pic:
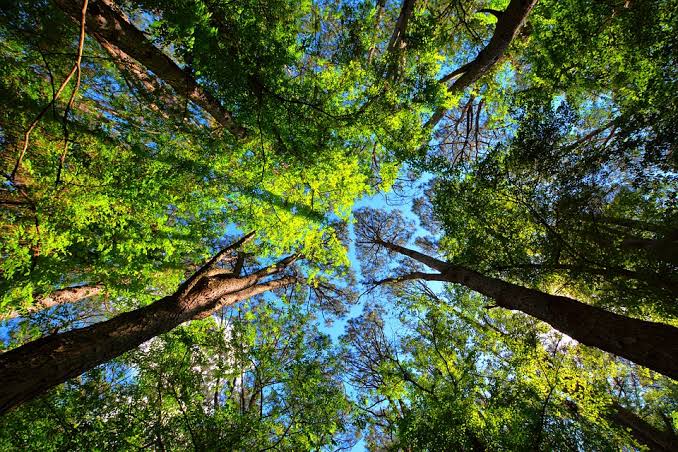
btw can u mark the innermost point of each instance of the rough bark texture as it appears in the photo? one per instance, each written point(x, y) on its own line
point(30, 370)
point(508, 25)
point(650, 344)
point(107, 24)
point(58, 297)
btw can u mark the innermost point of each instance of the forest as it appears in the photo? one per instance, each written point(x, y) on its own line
point(339, 225)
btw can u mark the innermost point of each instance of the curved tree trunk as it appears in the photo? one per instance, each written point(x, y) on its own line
point(33, 368)
point(508, 25)
point(650, 344)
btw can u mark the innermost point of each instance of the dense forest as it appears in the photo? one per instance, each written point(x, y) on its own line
point(442, 225)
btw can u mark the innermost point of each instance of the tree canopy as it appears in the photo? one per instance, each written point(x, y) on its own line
point(330, 225)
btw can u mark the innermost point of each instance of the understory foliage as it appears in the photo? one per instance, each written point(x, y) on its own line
point(455, 376)
point(261, 379)
point(531, 143)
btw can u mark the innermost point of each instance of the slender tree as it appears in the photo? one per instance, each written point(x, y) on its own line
point(650, 344)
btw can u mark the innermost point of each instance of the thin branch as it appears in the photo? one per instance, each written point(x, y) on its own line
point(412, 276)
point(76, 67)
point(69, 106)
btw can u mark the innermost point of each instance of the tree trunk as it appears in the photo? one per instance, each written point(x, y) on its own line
point(509, 24)
point(396, 42)
point(642, 431)
point(650, 344)
point(659, 249)
point(106, 23)
point(33, 368)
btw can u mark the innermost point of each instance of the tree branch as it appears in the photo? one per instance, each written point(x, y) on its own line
point(76, 67)
point(59, 297)
point(190, 283)
point(69, 106)
point(425, 259)
point(509, 24)
point(412, 276)
point(107, 23)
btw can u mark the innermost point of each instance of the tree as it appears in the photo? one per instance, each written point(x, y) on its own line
point(543, 207)
point(646, 343)
point(455, 376)
point(138, 138)
point(35, 367)
point(256, 375)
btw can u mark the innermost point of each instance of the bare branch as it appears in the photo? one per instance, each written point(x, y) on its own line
point(69, 106)
point(76, 67)
point(412, 276)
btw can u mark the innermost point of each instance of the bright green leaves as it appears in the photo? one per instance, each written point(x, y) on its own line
point(259, 377)
point(454, 375)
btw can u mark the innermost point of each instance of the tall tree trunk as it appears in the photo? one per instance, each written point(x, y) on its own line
point(107, 24)
point(397, 43)
point(650, 344)
point(33, 368)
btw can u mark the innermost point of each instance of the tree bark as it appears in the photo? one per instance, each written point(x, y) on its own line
point(642, 431)
point(650, 344)
point(62, 296)
point(396, 41)
point(508, 25)
point(108, 25)
point(665, 249)
point(33, 368)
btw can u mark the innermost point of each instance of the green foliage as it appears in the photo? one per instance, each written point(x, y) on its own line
point(454, 376)
point(556, 170)
point(543, 211)
point(262, 376)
